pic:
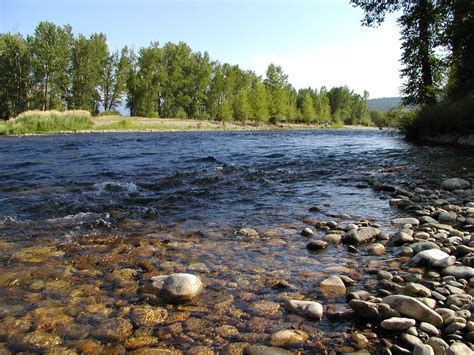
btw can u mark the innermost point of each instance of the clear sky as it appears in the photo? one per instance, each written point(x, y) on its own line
point(317, 42)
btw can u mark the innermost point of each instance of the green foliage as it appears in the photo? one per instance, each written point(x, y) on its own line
point(50, 49)
point(49, 121)
point(14, 72)
point(307, 108)
point(276, 83)
point(242, 108)
point(109, 113)
point(259, 101)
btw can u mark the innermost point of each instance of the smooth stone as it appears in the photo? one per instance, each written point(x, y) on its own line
point(384, 275)
point(307, 232)
point(397, 323)
point(333, 286)
point(447, 217)
point(400, 222)
point(459, 349)
point(360, 341)
point(410, 341)
point(458, 271)
point(417, 290)
point(443, 263)
point(455, 184)
point(288, 337)
point(359, 236)
point(429, 328)
point(334, 239)
point(376, 249)
point(317, 245)
point(403, 236)
point(413, 308)
point(116, 329)
point(310, 309)
point(420, 246)
point(440, 347)
point(429, 256)
point(180, 287)
point(423, 349)
point(257, 349)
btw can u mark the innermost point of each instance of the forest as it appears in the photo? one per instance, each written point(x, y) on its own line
point(54, 69)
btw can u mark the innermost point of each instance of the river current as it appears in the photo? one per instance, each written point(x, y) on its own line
point(177, 201)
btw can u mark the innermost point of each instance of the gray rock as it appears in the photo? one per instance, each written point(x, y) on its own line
point(423, 349)
point(362, 235)
point(447, 217)
point(403, 236)
point(310, 309)
point(317, 245)
point(410, 341)
point(440, 347)
point(178, 287)
point(334, 239)
point(455, 184)
point(429, 256)
point(248, 232)
point(360, 341)
point(376, 249)
point(427, 219)
point(364, 309)
point(417, 290)
point(307, 232)
point(400, 222)
point(411, 307)
point(459, 349)
point(420, 246)
point(257, 349)
point(443, 263)
point(397, 323)
point(458, 271)
point(333, 286)
point(429, 328)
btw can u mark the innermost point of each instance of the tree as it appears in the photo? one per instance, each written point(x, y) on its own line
point(89, 58)
point(114, 78)
point(421, 68)
point(307, 108)
point(276, 83)
point(50, 57)
point(242, 108)
point(322, 106)
point(258, 101)
point(14, 75)
point(340, 99)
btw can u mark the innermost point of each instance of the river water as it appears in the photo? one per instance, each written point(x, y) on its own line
point(78, 210)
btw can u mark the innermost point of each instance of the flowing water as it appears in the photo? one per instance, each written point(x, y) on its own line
point(87, 220)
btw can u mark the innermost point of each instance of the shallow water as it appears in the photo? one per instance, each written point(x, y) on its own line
point(116, 209)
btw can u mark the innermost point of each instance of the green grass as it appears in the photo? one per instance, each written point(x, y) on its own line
point(38, 122)
point(3, 128)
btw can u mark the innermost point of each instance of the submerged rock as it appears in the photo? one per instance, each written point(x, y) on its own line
point(288, 337)
point(455, 184)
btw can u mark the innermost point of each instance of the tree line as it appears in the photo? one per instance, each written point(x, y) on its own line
point(55, 69)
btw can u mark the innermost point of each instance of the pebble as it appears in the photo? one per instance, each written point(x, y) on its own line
point(413, 308)
point(400, 222)
point(178, 287)
point(397, 323)
point(423, 349)
point(307, 232)
point(333, 286)
point(360, 341)
point(376, 249)
point(459, 349)
point(288, 337)
point(310, 309)
point(317, 245)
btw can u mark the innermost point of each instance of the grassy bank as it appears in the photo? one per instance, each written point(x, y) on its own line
point(47, 122)
point(39, 122)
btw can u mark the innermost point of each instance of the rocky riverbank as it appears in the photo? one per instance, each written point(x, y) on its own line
point(404, 288)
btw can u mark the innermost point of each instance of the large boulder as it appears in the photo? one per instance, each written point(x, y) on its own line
point(458, 271)
point(361, 235)
point(455, 184)
point(429, 256)
point(412, 308)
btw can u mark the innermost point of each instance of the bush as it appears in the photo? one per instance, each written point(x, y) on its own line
point(446, 117)
point(49, 121)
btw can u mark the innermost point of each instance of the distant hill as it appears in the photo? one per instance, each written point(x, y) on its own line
point(384, 103)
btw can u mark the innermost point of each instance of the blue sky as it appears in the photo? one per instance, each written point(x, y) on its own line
point(317, 42)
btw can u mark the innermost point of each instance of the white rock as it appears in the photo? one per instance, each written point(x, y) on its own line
point(178, 287)
point(397, 323)
point(310, 309)
point(411, 307)
point(430, 256)
point(400, 222)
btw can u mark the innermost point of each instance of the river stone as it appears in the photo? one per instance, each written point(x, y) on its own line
point(333, 239)
point(423, 349)
point(317, 245)
point(429, 328)
point(360, 341)
point(420, 246)
point(307, 232)
point(417, 290)
point(410, 341)
point(447, 217)
point(411, 307)
point(333, 286)
point(444, 263)
point(400, 222)
point(310, 309)
point(376, 249)
point(361, 235)
point(455, 184)
point(180, 287)
point(116, 329)
point(264, 350)
point(288, 337)
point(440, 347)
point(459, 349)
point(39, 341)
point(365, 309)
point(458, 271)
point(248, 232)
point(147, 316)
point(429, 256)
point(397, 323)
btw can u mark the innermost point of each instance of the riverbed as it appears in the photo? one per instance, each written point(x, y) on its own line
point(87, 220)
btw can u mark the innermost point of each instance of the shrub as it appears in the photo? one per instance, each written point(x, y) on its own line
point(49, 121)
point(110, 113)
